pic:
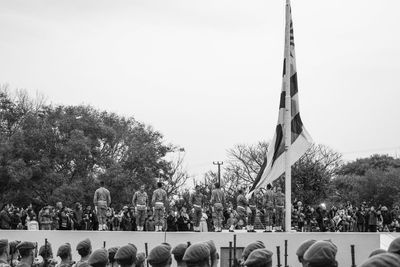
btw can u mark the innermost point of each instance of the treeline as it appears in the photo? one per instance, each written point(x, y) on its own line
point(58, 153)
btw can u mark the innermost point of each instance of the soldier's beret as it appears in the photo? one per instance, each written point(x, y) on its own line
point(382, 260)
point(376, 252)
point(99, 257)
point(64, 250)
point(259, 256)
point(13, 246)
point(250, 247)
point(140, 257)
point(86, 244)
point(179, 250)
point(197, 252)
point(394, 246)
point(159, 254)
point(321, 252)
point(3, 243)
point(304, 246)
point(127, 252)
point(26, 246)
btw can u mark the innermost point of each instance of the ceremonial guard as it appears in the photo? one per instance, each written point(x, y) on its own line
point(197, 202)
point(269, 205)
point(159, 201)
point(242, 204)
point(253, 212)
point(218, 202)
point(280, 209)
point(140, 202)
point(102, 201)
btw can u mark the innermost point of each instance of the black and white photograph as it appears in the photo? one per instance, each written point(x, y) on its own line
point(187, 133)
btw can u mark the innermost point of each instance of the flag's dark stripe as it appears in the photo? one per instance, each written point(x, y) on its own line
point(282, 102)
point(284, 67)
point(259, 174)
point(297, 127)
point(279, 144)
point(293, 85)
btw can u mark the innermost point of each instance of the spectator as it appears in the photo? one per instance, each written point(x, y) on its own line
point(5, 219)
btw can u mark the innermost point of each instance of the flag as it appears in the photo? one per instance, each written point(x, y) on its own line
point(274, 164)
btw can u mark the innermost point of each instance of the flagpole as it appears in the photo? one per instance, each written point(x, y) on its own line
point(288, 121)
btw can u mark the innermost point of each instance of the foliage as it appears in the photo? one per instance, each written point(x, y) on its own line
point(58, 153)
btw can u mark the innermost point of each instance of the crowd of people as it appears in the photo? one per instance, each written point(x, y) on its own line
point(310, 253)
point(262, 211)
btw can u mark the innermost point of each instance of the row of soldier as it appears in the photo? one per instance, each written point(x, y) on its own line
point(272, 204)
point(310, 253)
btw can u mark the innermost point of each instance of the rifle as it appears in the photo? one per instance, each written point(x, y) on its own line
point(46, 254)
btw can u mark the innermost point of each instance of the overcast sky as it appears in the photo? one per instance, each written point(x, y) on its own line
point(207, 74)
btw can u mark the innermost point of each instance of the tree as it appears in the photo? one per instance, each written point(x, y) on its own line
point(311, 174)
point(58, 153)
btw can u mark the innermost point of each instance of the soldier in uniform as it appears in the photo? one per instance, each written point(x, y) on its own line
point(25, 250)
point(196, 201)
point(140, 202)
point(279, 209)
point(160, 256)
point(269, 205)
point(253, 213)
point(102, 201)
point(159, 201)
point(241, 208)
point(218, 202)
point(84, 249)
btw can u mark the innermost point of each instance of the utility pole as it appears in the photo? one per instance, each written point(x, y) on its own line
point(219, 163)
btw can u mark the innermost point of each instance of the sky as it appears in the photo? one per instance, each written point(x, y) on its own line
point(207, 74)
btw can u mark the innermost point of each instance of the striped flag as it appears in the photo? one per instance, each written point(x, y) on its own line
point(274, 165)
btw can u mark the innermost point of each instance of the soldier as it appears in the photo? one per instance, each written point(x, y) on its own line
point(253, 213)
point(269, 205)
point(111, 256)
point(26, 252)
point(64, 252)
point(160, 256)
point(197, 202)
point(178, 253)
point(242, 204)
point(4, 252)
point(126, 256)
point(197, 255)
point(279, 209)
point(321, 253)
point(159, 201)
point(218, 202)
point(302, 250)
point(102, 201)
point(84, 249)
point(140, 202)
point(98, 258)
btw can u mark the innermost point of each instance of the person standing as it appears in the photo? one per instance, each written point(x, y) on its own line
point(102, 201)
point(253, 212)
point(241, 208)
point(159, 201)
point(218, 202)
point(372, 220)
point(279, 209)
point(140, 202)
point(269, 205)
point(196, 202)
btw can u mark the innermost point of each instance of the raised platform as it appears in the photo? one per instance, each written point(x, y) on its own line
point(364, 242)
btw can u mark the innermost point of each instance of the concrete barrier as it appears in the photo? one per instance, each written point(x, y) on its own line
point(364, 242)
